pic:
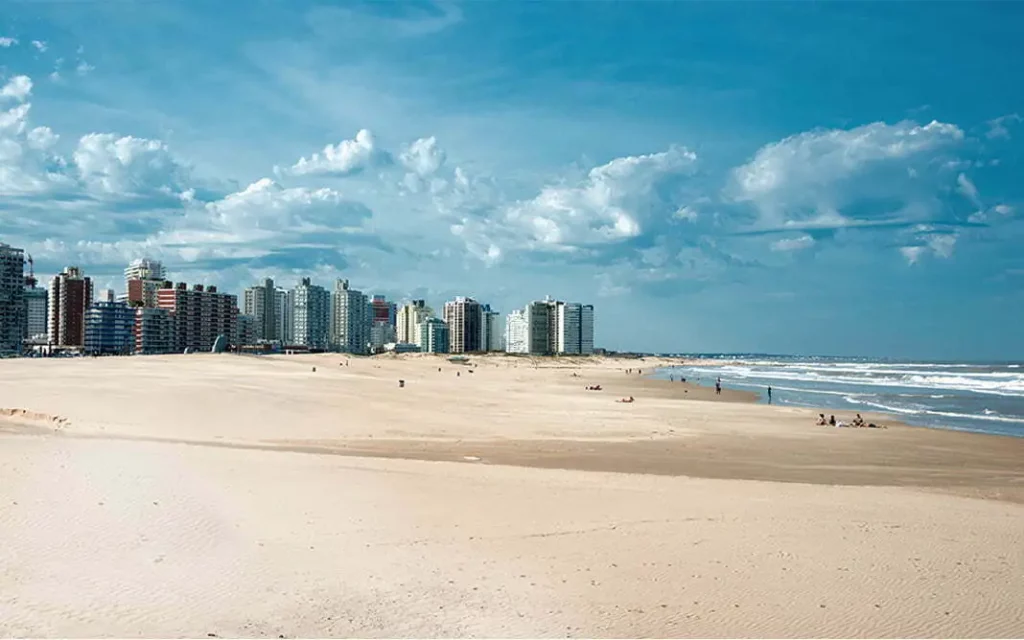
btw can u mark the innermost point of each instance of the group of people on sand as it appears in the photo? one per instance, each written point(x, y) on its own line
point(594, 387)
point(639, 372)
point(856, 422)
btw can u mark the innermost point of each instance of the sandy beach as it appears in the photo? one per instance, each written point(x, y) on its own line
point(256, 497)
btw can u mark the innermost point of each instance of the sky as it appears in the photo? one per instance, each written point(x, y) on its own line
point(804, 178)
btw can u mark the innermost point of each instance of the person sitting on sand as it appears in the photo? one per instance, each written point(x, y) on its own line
point(858, 421)
point(832, 421)
point(821, 420)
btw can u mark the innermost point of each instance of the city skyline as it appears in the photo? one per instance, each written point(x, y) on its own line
point(825, 190)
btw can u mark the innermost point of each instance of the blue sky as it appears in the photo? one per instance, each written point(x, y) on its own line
point(839, 178)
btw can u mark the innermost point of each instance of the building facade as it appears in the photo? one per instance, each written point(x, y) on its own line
point(262, 304)
point(549, 327)
point(434, 336)
point(12, 300)
point(464, 319)
point(37, 305)
point(491, 333)
point(70, 297)
point(200, 315)
point(285, 316)
point(154, 331)
point(109, 328)
point(407, 324)
point(246, 334)
point(143, 278)
point(517, 329)
point(350, 321)
point(311, 313)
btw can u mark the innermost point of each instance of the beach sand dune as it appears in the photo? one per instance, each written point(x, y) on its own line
point(187, 496)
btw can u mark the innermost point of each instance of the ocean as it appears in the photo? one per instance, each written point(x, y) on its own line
point(965, 396)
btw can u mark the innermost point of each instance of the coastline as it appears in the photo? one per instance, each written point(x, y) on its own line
point(166, 495)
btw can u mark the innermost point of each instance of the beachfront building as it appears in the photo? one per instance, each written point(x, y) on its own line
point(490, 329)
point(464, 318)
point(200, 315)
point(548, 327)
point(263, 303)
point(70, 298)
point(154, 331)
point(434, 336)
point(516, 332)
point(574, 328)
point(311, 313)
point(12, 300)
point(350, 319)
point(285, 315)
point(37, 304)
point(143, 278)
point(382, 323)
point(246, 330)
point(407, 330)
point(109, 328)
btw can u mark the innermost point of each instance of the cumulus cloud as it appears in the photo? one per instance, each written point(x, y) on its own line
point(793, 244)
point(615, 201)
point(345, 158)
point(6, 41)
point(84, 68)
point(266, 205)
point(40, 45)
point(813, 171)
point(112, 164)
point(423, 157)
point(18, 87)
point(998, 128)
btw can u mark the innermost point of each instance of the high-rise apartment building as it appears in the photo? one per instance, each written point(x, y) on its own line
point(12, 299)
point(490, 329)
point(350, 320)
point(200, 315)
point(285, 316)
point(109, 328)
point(517, 331)
point(547, 327)
point(154, 331)
point(407, 329)
point(311, 315)
point(382, 323)
point(143, 278)
point(37, 303)
point(464, 319)
point(434, 336)
point(70, 298)
point(262, 303)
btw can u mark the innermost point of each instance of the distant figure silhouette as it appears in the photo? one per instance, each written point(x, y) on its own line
point(769, 394)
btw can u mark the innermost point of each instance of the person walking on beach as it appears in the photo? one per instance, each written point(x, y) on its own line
point(769, 394)
point(718, 387)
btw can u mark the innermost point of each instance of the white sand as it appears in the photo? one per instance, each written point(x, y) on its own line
point(104, 536)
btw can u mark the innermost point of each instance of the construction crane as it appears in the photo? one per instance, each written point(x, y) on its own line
point(30, 279)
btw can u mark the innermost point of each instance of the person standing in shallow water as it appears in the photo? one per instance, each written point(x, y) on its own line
point(769, 394)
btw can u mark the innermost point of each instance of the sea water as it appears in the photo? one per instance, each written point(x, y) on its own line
point(983, 397)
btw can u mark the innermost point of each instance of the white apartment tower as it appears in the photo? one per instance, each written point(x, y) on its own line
point(548, 327)
point(408, 321)
point(142, 279)
point(517, 328)
point(350, 319)
point(490, 329)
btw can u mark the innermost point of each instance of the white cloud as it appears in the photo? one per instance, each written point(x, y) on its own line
point(1003, 209)
point(997, 127)
point(942, 245)
point(345, 158)
point(40, 45)
point(810, 170)
point(7, 42)
point(968, 190)
point(18, 87)
point(793, 244)
point(84, 68)
point(127, 165)
point(423, 157)
point(615, 201)
point(265, 205)
point(912, 254)
point(41, 138)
